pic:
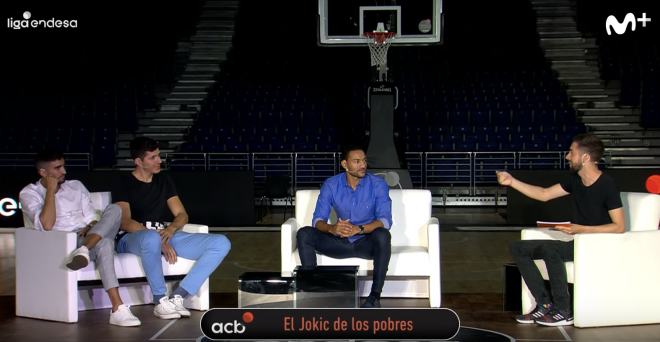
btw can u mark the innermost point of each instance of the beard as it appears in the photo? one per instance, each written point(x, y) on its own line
point(357, 174)
point(575, 168)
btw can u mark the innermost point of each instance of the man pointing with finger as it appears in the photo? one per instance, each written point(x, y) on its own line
point(364, 211)
point(597, 208)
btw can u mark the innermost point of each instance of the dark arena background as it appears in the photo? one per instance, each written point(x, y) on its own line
point(252, 101)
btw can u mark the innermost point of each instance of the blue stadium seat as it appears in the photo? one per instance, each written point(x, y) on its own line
point(536, 146)
point(236, 148)
point(575, 129)
point(104, 154)
point(488, 146)
point(559, 146)
point(476, 137)
point(565, 116)
point(507, 129)
point(511, 146)
point(522, 117)
point(465, 146)
point(529, 129)
point(259, 147)
point(484, 129)
point(207, 117)
point(452, 138)
point(544, 137)
point(205, 137)
point(328, 147)
point(441, 147)
point(212, 147)
point(521, 137)
point(190, 147)
point(500, 117)
point(480, 117)
point(302, 147)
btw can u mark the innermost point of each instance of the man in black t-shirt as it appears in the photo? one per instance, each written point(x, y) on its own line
point(145, 197)
point(597, 208)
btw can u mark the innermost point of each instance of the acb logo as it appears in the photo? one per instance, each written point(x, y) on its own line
point(219, 328)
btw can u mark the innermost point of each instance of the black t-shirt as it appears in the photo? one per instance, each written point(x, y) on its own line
point(148, 201)
point(591, 204)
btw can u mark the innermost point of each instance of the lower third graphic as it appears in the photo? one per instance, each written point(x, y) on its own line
point(327, 324)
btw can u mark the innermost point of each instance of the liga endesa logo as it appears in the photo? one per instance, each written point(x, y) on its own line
point(18, 24)
point(8, 206)
point(329, 324)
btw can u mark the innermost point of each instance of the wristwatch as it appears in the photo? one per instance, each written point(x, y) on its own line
point(361, 229)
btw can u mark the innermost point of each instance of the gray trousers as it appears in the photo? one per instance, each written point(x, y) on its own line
point(103, 253)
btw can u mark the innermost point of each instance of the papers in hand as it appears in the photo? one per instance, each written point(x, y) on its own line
point(544, 224)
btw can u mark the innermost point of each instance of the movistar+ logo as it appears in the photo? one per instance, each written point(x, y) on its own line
point(620, 28)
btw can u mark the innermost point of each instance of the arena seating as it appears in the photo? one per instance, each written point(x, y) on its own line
point(481, 101)
point(79, 118)
point(500, 100)
point(634, 61)
point(75, 94)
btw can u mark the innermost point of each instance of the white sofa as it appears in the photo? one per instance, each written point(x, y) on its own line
point(615, 277)
point(414, 269)
point(46, 289)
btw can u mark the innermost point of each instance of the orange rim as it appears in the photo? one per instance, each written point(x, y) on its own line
point(379, 37)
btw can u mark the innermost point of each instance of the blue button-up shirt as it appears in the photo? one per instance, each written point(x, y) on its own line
point(370, 201)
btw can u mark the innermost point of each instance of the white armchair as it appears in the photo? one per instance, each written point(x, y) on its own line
point(46, 289)
point(414, 269)
point(615, 277)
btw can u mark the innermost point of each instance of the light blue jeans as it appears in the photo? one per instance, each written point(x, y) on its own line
point(208, 249)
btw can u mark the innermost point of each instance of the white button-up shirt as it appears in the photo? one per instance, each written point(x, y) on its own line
point(73, 205)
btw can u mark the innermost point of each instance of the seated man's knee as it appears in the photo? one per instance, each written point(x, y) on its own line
point(382, 235)
point(221, 242)
point(305, 234)
point(113, 210)
point(549, 250)
point(150, 240)
point(514, 247)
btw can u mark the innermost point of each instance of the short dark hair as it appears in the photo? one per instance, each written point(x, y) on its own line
point(591, 145)
point(47, 156)
point(348, 149)
point(141, 145)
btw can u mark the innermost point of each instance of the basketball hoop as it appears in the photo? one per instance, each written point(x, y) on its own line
point(379, 43)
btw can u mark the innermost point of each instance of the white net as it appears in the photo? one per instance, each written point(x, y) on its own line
point(379, 43)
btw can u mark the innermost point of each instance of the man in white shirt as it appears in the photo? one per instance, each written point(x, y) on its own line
point(53, 203)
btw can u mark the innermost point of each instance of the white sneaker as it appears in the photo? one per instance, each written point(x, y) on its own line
point(79, 259)
point(177, 301)
point(124, 317)
point(166, 310)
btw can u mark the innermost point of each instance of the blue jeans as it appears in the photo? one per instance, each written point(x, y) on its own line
point(376, 246)
point(208, 249)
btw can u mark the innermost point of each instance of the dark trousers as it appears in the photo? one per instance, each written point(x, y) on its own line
point(374, 246)
point(554, 254)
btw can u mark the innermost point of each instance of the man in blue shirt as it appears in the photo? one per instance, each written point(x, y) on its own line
point(364, 211)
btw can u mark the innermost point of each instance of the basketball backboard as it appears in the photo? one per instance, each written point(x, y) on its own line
point(416, 22)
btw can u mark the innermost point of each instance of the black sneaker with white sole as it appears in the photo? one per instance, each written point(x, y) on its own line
point(535, 314)
point(556, 318)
